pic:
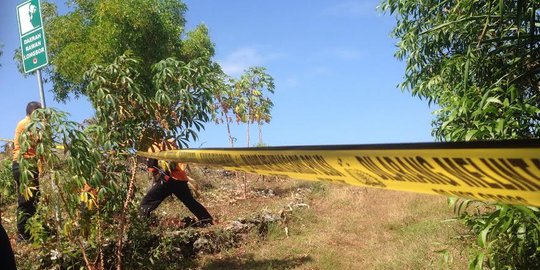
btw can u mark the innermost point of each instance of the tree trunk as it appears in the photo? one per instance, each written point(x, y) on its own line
point(231, 139)
point(100, 241)
point(77, 239)
point(122, 225)
point(248, 133)
point(260, 134)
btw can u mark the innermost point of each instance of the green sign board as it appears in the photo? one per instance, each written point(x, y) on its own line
point(33, 46)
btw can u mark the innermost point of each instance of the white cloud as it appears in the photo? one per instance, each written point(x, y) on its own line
point(352, 8)
point(242, 58)
point(236, 62)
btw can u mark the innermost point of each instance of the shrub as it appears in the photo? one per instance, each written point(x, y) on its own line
point(7, 184)
point(507, 237)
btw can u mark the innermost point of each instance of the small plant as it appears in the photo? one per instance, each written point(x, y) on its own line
point(7, 184)
point(507, 237)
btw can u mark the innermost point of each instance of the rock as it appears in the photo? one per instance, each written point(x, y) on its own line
point(201, 244)
point(237, 226)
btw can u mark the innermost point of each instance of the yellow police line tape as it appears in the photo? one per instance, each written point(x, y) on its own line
point(503, 171)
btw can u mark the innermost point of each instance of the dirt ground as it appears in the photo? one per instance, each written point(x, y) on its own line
point(341, 227)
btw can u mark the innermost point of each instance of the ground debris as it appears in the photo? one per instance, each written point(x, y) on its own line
point(193, 241)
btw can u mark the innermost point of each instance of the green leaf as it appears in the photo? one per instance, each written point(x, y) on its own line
point(500, 125)
point(492, 100)
point(470, 134)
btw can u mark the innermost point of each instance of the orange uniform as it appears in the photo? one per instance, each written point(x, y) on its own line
point(164, 186)
point(31, 152)
point(178, 172)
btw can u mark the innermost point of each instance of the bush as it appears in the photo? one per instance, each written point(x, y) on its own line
point(508, 237)
point(7, 184)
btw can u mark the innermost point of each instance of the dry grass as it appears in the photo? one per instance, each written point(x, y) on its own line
point(355, 228)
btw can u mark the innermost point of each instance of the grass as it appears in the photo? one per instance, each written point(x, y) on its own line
point(357, 228)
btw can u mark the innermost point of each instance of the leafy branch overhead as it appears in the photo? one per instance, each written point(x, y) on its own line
point(478, 60)
point(98, 31)
point(178, 108)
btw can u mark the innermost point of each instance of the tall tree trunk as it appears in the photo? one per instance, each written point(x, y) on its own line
point(123, 218)
point(231, 139)
point(77, 239)
point(248, 133)
point(260, 134)
point(100, 241)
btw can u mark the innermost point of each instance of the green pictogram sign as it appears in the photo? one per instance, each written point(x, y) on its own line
point(33, 46)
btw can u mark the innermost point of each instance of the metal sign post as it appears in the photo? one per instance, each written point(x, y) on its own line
point(40, 84)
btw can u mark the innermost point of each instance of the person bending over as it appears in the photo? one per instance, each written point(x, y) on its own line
point(171, 178)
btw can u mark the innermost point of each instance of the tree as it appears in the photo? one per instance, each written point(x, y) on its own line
point(145, 82)
point(97, 167)
point(246, 98)
point(253, 104)
point(479, 61)
point(223, 104)
point(81, 223)
point(98, 31)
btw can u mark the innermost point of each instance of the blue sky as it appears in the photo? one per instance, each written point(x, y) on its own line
point(332, 61)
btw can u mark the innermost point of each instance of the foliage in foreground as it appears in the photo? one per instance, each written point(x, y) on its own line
point(479, 62)
point(7, 185)
point(508, 237)
point(83, 219)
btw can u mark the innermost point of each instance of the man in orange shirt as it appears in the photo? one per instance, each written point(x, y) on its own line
point(171, 178)
point(26, 207)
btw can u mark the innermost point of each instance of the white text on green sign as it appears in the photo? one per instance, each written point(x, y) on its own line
point(33, 44)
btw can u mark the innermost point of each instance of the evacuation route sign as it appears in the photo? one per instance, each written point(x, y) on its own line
point(33, 49)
